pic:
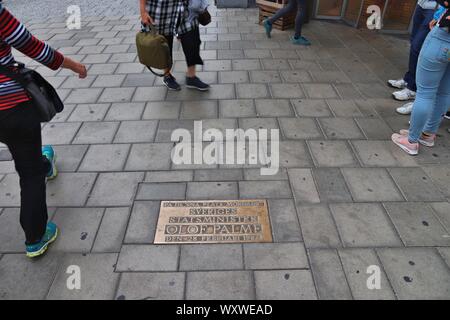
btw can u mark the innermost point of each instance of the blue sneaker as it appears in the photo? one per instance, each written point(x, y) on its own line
point(301, 41)
point(49, 153)
point(268, 26)
point(51, 233)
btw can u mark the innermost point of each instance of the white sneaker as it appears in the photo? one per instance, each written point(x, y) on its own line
point(406, 108)
point(400, 84)
point(404, 95)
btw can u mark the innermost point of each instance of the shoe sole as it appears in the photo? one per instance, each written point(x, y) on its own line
point(397, 87)
point(55, 170)
point(172, 89)
point(44, 248)
point(197, 88)
point(407, 99)
point(412, 153)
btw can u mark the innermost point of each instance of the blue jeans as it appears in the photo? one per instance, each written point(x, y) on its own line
point(421, 20)
point(300, 6)
point(433, 84)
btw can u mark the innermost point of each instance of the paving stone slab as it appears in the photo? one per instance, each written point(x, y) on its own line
point(125, 111)
point(294, 154)
point(301, 129)
point(142, 224)
point(220, 190)
point(237, 108)
point(59, 133)
point(416, 273)
point(115, 189)
point(340, 128)
point(382, 154)
point(440, 176)
point(329, 276)
point(416, 185)
point(264, 189)
point(374, 128)
point(287, 91)
point(10, 191)
point(199, 110)
point(332, 154)
point(320, 91)
point(112, 230)
point(311, 108)
point(151, 286)
point(70, 189)
point(108, 157)
point(146, 94)
point(79, 228)
point(273, 108)
point(90, 95)
point(154, 156)
point(12, 237)
point(344, 108)
point(303, 186)
point(258, 76)
point(364, 225)
point(445, 254)
point(98, 280)
point(442, 211)
point(284, 221)
point(19, 274)
point(252, 91)
point(356, 263)
point(89, 112)
point(136, 131)
point(223, 285)
point(259, 256)
point(162, 110)
point(162, 191)
point(233, 77)
point(331, 185)
point(371, 185)
point(255, 174)
point(211, 257)
point(148, 258)
point(218, 175)
point(296, 76)
point(417, 225)
point(171, 176)
point(96, 132)
point(318, 227)
point(285, 285)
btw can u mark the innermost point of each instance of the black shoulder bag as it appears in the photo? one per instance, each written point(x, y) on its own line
point(44, 97)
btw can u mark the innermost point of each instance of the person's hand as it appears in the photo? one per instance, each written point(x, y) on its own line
point(432, 23)
point(146, 19)
point(76, 67)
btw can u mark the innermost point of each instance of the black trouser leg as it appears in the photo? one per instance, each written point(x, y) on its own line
point(21, 132)
point(191, 42)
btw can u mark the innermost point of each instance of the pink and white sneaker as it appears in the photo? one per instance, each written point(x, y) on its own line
point(403, 142)
point(427, 141)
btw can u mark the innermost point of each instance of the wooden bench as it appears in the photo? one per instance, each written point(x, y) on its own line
point(267, 8)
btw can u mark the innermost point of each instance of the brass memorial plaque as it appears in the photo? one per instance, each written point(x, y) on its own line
point(217, 221)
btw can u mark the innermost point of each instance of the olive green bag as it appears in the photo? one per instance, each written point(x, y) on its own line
point(153, 50)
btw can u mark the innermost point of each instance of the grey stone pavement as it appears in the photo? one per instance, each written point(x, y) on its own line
point(344, 199)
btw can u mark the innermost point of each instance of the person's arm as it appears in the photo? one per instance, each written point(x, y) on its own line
point(14, 33)
point(145, 17)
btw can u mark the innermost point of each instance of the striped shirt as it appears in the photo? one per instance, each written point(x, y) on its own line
point(14, 34)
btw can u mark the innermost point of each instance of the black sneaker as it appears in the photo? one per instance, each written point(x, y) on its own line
point(171, 83)
point(447, 115)
point(196, 83)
